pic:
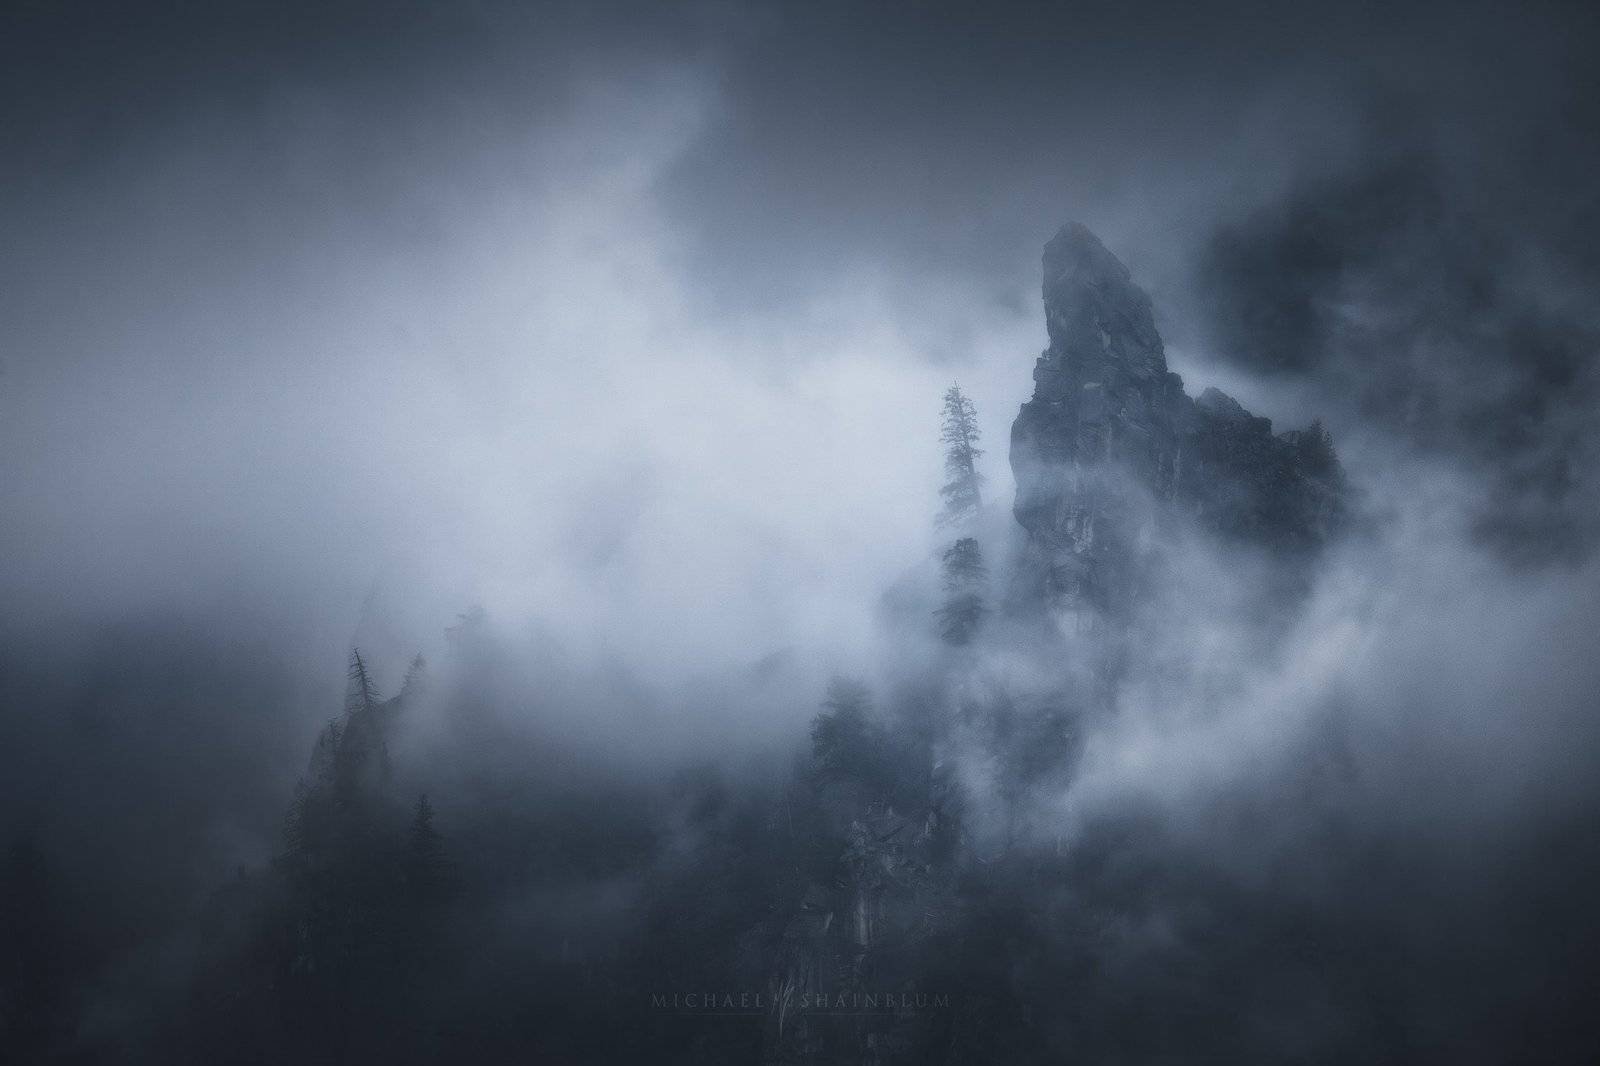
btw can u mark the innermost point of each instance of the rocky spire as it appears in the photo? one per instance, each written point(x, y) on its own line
point(1110, 449)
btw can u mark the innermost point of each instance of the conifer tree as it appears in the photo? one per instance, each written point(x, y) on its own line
point(363, 694)
point(361, 762)
point(426, 868)
point(962, 489)
point(842, 736)
point(963, 608)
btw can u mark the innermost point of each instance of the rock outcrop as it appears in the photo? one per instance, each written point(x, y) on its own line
point(1110, 451)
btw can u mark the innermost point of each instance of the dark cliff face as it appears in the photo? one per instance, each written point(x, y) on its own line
point(1110, 450)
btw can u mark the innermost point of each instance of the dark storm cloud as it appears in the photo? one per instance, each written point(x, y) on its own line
point(83, 77)
point(948, 136)
point(942, 138)
point(1441, 288)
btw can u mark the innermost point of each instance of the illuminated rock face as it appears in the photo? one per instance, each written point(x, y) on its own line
point(1110, 450)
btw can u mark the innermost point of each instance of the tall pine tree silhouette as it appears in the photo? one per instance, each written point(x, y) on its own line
point(962, 490)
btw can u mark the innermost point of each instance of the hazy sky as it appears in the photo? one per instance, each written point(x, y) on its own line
point(322, 322)
point(633, 319)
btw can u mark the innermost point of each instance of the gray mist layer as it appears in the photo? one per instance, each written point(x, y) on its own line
point(324, 324)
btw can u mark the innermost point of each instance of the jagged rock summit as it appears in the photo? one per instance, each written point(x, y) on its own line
point(1111, 450)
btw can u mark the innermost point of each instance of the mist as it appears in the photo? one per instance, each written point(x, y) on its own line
point(595, 354)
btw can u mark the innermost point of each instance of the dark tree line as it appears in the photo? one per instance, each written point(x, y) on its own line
point(324, 956)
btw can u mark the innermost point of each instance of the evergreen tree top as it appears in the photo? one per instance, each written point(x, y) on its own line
point(362, 694)
point(959, 431)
